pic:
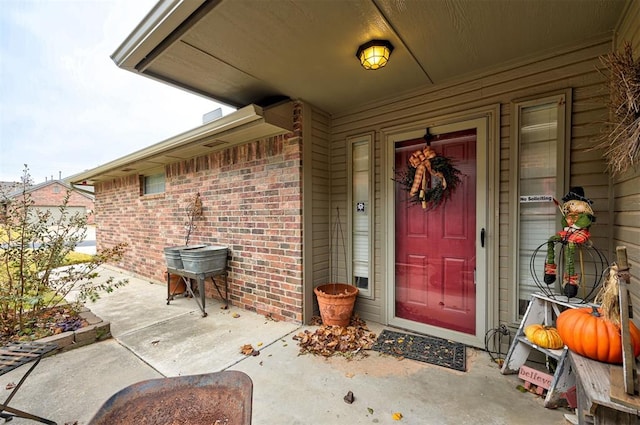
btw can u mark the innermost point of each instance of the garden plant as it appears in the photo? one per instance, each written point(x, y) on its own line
point(39, 268)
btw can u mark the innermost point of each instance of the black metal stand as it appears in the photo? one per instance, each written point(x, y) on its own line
point(200, 278)
point(13, 356)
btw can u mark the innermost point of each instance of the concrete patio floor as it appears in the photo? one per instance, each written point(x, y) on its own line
point(154, 340)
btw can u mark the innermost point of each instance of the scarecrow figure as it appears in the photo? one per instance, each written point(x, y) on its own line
point(577, 217)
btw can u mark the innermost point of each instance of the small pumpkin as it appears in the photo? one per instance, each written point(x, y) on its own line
point(543, 336)
point(587, 332)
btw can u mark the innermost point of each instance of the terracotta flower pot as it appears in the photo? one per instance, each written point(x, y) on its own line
point(176, 284)
point(336, 301)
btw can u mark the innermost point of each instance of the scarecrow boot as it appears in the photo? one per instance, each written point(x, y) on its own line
point(570, 283)
point(550, 273)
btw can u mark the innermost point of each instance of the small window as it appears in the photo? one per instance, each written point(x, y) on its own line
point(56, 189)
point(153, 184)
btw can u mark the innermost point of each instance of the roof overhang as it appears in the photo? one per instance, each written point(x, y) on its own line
point(242, 126)
point(162, 21)
point(251, 52)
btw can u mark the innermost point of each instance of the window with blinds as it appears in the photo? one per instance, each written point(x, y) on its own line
point(152, 184)
point(538, 171)
point(361, 213)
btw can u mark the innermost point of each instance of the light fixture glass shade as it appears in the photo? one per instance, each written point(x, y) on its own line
point(374, 54)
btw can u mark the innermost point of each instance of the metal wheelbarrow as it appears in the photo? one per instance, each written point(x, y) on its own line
point(221, 398)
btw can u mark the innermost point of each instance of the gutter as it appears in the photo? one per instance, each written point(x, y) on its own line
point(165, 17)
point(242, 126)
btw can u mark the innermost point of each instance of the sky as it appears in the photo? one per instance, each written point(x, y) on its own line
point(65, 107)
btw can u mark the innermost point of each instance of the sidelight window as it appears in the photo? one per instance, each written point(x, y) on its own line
point(539, 170)
point(361, 213)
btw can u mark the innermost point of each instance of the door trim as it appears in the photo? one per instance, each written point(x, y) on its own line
point(486, 121)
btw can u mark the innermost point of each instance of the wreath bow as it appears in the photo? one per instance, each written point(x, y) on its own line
point(421, 161)
point(416, 178)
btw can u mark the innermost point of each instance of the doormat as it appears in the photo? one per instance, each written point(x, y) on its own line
point(428, 349)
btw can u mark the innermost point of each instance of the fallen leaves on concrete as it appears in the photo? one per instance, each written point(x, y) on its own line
point(337, 340)
point(248, 350)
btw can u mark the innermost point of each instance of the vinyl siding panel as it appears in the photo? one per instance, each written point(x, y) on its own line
point(317, 193)
point(574, 68)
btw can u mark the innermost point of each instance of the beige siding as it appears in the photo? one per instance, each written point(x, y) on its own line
point(574, 68)
point(626, 204)
point(316, 129)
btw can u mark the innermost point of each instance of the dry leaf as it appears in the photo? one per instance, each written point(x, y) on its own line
point(247, 350)
point(350, 375)
point(10, 386)
point(329, 340)
point(397, 416)
point(235, 315)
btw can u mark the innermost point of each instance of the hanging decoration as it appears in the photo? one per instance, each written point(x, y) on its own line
point(621, 138)
point(429, 178)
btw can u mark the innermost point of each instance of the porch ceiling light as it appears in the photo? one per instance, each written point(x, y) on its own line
point(374, 54)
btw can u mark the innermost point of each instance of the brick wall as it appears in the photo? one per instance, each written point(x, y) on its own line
point(252, 203)
point(53, 194)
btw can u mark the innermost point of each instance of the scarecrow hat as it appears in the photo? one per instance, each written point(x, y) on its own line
point(576, 193)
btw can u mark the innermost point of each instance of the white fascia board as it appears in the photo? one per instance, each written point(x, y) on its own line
point(159, 23)
point(227, 124)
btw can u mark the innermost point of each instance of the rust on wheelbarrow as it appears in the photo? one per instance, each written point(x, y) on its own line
point(221, 398)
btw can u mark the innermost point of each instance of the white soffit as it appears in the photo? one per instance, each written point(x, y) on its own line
point(241, 52)
point(242, 126)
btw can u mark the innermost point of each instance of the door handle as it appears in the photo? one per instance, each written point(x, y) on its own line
point(482, 237)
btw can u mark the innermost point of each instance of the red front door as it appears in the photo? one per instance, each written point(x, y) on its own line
point(435, 249)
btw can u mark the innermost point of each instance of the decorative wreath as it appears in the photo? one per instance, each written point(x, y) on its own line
point(429, 178)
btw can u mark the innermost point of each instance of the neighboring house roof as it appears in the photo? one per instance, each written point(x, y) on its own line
point(33, 188)
point(240, 53)
point(244, 125)
point(6, 187)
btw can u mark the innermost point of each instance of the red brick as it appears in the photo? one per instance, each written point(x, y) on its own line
point(252, 204)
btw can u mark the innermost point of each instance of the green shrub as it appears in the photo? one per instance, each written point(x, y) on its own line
point(38, 267)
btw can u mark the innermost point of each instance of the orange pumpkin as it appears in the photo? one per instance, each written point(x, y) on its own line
point(586, 332)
